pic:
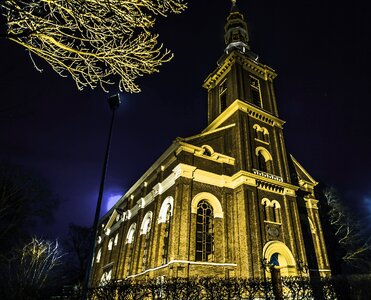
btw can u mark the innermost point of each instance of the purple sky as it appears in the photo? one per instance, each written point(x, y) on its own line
point(320, 50)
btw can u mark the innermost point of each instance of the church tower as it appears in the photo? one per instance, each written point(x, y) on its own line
point(228, 202)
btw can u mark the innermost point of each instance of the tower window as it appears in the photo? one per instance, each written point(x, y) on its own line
point(265, 203)
point(276, 211)
point(204, 232)
point(255, 91)
point(264, 160)
point(223, 95)
point(261, 162)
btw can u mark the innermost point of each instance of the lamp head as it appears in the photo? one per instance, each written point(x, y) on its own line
point(114, 101)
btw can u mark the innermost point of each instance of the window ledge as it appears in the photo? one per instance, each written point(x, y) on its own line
point(271, 222)
point(261, 141)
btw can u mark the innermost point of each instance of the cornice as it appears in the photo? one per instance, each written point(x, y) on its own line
point(311, 203)
point(199, 151)
point(202, 176)
point(233, 57)
point(312, 183)
point(207, 133)
point(234, 181)
point(262, 182)
point(248, 108)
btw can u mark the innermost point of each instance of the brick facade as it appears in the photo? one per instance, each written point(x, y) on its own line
point(262, 199)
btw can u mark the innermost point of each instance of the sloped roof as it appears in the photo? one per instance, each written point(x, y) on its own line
point(302, 173)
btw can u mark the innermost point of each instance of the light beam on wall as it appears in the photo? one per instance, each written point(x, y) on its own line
point(112, 199)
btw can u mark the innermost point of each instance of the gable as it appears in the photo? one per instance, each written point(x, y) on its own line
point(112, 220)
point(301, 173)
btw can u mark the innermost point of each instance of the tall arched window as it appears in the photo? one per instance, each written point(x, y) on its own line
point(223, 95)
point(116, 239)
point(99, 254)
point(264, 159)
point(276, 211)
point(166, 235)
point(110, 244)
point(130, 246)
point(261, 162)
point(204, 232)
point(266, 204)
point(145, 229)
point(265, 135)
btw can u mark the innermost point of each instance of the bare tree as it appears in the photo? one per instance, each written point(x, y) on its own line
point(77, 244)
point(348, 232)
point(92, 41)
point(30, 270)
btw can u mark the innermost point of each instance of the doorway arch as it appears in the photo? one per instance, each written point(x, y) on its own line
point(280, 256)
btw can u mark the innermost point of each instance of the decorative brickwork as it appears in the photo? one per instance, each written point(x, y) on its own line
point(223, 203)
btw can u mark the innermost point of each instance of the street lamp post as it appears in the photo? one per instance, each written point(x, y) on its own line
point(114, 103)
point(266, 266)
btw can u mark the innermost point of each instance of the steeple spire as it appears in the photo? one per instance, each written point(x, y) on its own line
point(236, 34)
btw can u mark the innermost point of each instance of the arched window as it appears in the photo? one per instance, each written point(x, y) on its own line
point(276, 211)
point(107, 276)
point(261, 162)
point(223, 95)
point(255, 91)
point(266, 203)
point(166, 235)
point(130, 246)
point(146, 249)
point(264, 159)
point(116, 239)
point(169, 201)
point(274, 260)
point(130, 235)
point(257, 131)
point(265, 134)
point(110, 244)
point(99, 255)
point(208, 150)
point(211, 199)
point(146, 224)
point(145, 229)
point(204, 232)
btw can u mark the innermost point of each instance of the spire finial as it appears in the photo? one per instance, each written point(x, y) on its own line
point(236, 33)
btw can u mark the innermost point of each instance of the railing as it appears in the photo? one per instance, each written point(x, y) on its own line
point(267, 175)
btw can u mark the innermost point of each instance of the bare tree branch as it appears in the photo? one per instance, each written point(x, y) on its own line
point(92, 41)
point(348, 232)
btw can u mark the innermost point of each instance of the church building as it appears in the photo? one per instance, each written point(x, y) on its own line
point(228, 202)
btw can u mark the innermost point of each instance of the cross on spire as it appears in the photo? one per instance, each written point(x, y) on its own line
point(234, 2)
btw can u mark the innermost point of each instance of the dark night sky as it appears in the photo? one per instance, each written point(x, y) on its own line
point(320, 50)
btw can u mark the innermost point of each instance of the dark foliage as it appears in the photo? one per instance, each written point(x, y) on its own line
point(25, 201)
point(337, 287)
point(77, 247)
